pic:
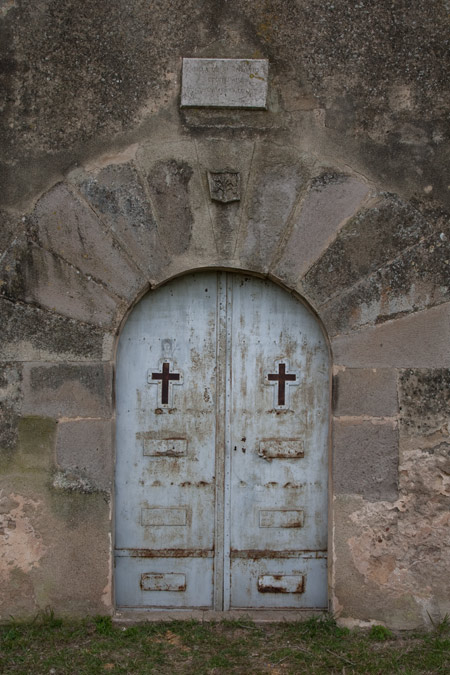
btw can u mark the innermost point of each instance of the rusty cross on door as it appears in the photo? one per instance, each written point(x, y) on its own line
point(281, 377)
point(165, 376)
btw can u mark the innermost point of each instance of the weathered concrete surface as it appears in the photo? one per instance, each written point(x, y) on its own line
point(37, 555)
point(424, 397)
point(67, 390)
point(374, 570)
point(365, 391)
point(375, 102)
point(10, 403)
point(39, 507)
point(399, 551)
point(83, 451)
point(418, 340)
point(365, 459)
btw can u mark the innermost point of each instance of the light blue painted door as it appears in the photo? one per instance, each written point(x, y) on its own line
point(221, 467)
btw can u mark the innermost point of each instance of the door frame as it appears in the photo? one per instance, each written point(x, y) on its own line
point(214, 615)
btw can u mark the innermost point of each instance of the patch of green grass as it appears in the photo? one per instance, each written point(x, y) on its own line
point(99, 645)
point(104, 625)
point(218, 661)
point(441, 627)
point(380, 633)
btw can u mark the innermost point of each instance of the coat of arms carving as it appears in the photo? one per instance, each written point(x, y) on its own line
point(224, 186)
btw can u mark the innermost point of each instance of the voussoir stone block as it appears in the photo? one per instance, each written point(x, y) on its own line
point(69, 228)
point(84, 450)
point(416, 279)
point(277, 178)
point(67, 390)
point(331, 199)
point(178, 199)
point(220, 157)
point(53, 283)
point(365, 460)
point(368, 241)
point(365, 391)
point(118, 196)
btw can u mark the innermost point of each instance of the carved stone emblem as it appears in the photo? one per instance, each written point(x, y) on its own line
point(224, 186)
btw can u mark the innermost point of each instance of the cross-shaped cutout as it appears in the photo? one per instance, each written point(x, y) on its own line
point(165, 377)
point(281, 379)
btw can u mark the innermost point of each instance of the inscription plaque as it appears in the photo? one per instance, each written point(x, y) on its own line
point(225, 83)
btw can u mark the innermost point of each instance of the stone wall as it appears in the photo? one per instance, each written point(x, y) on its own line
point(344, 202)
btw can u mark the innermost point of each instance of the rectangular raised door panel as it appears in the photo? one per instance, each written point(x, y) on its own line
point(162, 517)
point(284, 449)
point(299, 581)
point(163, 581)
point(281, 583)
point(281, 518)
point(162, 447)
point(222, 428)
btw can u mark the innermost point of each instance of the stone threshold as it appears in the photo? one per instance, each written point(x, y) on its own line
point(205, 616)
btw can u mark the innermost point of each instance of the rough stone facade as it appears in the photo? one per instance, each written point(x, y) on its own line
point(344, 201)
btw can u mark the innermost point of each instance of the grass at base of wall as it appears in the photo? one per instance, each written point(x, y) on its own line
point(97, 645)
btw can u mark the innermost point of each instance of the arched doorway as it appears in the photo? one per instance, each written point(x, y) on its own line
point(222, 393)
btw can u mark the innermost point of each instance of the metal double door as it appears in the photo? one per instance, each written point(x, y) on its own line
point(222, 392)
